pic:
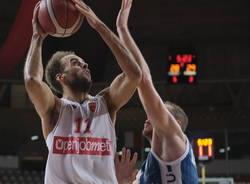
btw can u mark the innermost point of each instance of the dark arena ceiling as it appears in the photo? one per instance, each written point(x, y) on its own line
point(218, 30)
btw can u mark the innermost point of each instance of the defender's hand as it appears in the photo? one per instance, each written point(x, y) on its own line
point(122, 18)
point(92, 19)
point(37, 29)
point(125, 172)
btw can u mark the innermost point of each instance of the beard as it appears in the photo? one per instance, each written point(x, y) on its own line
point(79, 84)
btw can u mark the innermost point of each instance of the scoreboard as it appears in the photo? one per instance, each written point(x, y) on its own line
point(204, 149)
point(181, 66)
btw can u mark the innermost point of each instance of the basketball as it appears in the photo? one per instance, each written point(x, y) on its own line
point(59, 18)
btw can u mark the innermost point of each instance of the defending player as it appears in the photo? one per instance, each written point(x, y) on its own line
point(171, 157)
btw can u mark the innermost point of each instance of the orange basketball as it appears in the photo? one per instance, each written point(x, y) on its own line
point(59, 18)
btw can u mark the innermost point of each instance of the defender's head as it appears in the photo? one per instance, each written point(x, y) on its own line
point(66, 69)
point(177, 113)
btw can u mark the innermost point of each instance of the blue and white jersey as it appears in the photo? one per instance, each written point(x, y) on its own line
point(180, 171)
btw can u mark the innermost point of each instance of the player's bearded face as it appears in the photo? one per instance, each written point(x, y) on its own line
point(148, 130)
point(78, 82)
point(77, 74)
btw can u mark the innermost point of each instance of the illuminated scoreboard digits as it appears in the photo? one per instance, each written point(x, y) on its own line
point(182, 66)
point(205, 148)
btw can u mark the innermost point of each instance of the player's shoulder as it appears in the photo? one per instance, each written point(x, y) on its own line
point(104, 92)
point(58, 104)
point(104, 95)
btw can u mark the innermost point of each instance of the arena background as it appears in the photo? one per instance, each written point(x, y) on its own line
point(218, 103)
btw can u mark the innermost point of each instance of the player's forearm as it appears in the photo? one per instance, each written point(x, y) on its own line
point(33, 66)
point(149, 97)
point(129, 42)
point(121, 53)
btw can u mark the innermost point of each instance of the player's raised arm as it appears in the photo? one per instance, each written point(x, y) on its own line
point(124, 85)
point(39, 93)
point(152, 102)
point(163, 129)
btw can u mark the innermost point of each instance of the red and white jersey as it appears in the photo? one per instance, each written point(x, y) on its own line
point(82, 144)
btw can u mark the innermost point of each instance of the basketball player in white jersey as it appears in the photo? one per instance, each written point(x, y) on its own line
point(171, 158)
point(78, 128)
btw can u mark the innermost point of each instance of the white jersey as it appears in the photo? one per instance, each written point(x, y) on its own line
point(82, 145)
point(180, 171)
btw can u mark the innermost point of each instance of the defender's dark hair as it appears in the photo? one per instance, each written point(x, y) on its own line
point(179, 114)
point(54, 67)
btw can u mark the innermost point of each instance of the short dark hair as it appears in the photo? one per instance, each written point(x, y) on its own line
point(54, 67)
point(178, 114)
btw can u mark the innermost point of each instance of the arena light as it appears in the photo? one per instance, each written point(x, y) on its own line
point(34, 137)
point(147, 149)
point(222, 150)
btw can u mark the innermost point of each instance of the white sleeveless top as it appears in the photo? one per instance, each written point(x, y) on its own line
point(180, 171)
point(82, 145)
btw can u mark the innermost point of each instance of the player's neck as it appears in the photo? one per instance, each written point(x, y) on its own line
point(149, 140)
point(79, 97)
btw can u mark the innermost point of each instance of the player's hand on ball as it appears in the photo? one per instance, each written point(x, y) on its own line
point(122, 18)
point(92, 19)
point(125, 172)
point(37, 30)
